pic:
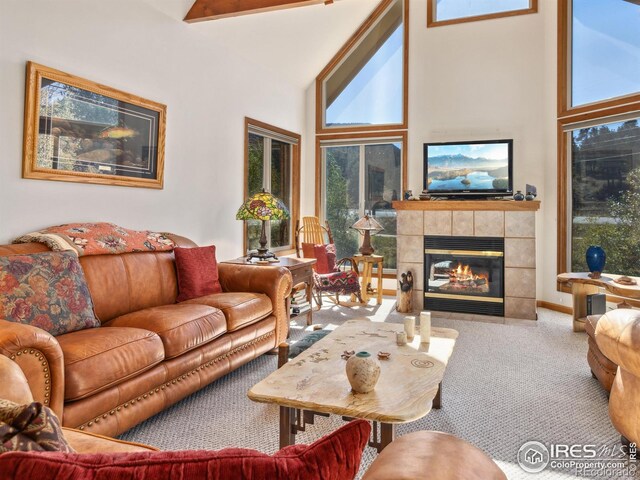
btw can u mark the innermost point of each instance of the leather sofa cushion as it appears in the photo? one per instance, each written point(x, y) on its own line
point(240, 308)
point(96, 359)
point(181, 327)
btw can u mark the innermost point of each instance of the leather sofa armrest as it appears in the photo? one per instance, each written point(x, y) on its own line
point(39, 356)
point(275, 282)
point(618, 338)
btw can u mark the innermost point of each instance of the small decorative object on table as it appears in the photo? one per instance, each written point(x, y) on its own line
point(410, 327)
point(596, 258)
point(363, 372)
point(347, 354)
point(425, 327)
point(518, 196)
point(384, 355)
point(624, 280)
point(401, 338)
point(405, 303)
point(408, 195)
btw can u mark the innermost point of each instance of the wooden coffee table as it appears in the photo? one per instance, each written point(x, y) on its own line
point(315, 381)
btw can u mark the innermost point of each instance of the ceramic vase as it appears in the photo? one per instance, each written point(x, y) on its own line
point(363, 372)
point(596, 259)
point(518, 196)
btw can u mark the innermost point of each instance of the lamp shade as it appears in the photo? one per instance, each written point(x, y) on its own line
point(367, 223)
point(263, 206)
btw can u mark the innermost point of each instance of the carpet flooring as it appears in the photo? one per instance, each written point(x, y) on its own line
point(505, 384)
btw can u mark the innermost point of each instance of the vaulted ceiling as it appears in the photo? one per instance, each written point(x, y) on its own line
point(295, 43)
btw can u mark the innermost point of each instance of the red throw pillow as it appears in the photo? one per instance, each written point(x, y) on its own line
point(326, 257)
point(197, 271)
point(307, 250)
point(333, 457)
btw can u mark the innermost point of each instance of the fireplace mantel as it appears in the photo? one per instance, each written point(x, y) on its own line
point(512, 220)
point(458, 205)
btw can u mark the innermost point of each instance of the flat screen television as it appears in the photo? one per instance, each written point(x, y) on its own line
point(469, 169)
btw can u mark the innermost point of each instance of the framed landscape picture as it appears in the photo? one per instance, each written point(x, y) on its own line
point(76, 130)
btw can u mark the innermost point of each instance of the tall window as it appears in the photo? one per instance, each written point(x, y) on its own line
point(361, 131)
point(447, 12)
point(362, 177)
point(363, 87)
point(599, 114)
point(272, 164)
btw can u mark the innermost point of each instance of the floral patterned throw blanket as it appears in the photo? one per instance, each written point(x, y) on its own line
point(98, 239)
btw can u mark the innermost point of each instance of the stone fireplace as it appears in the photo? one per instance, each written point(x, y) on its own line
point(491, 269)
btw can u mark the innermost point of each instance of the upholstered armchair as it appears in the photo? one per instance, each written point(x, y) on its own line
point(617, 335)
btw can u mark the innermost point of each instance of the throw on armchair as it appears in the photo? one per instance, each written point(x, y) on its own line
point(330, 276)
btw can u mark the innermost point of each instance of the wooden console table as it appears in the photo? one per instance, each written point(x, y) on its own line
point(582, 285)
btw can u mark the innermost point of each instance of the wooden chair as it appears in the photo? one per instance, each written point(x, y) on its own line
point(333, 278)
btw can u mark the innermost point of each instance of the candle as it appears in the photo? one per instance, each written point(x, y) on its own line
point(401, 338)
point(425, 327)
point(410, 327)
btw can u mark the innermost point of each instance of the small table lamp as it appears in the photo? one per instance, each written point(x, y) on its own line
point(263, 206)
point(365, 226)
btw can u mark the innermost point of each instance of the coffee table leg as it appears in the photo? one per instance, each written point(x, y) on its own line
point(437, 400)
point(287, 422)
point(387, 432)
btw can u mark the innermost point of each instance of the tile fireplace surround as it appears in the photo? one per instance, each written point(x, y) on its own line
point(511, 220)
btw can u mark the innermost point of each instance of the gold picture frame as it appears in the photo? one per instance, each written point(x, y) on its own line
point(76, 130)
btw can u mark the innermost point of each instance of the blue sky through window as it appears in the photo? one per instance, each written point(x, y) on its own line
point(374, 96)
point(452, 9)
point(606, 50)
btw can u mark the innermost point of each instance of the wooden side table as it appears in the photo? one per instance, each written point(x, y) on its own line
point(583, 285)
point(366, 272)
point(301, 270)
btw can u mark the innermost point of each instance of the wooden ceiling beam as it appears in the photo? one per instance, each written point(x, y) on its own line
point(202, 10)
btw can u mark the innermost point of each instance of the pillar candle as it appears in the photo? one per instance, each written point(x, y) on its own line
point(401, 338)
point(410, 327)
point(425, 327)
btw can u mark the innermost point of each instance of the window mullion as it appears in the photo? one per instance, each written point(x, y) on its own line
point(361, 192)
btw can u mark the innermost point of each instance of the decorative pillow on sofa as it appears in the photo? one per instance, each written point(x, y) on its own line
point(197, 272)
point(333, 457)
point(28, 428)
point(326, 258)
point(47, 290)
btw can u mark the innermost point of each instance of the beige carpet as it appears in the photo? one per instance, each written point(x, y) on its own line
point(505, 385)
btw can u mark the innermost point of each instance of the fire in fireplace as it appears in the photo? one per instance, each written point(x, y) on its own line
point(464, 274)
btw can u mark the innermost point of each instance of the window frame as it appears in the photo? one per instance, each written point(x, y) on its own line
point(432, 22)
point(600, 112)
point(354, 139)
point(295, 178)
point(343, 53)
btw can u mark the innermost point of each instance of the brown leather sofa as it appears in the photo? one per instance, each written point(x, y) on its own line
point(617, 336)
point(425, 455)
point(149, 352)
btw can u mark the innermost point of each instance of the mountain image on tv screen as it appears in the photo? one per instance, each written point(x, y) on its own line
point(468, 167)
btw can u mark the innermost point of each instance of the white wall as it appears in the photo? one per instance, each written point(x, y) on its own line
point(486, 80)
point(137, 47)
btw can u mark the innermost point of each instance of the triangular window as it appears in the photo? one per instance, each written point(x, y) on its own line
point(364, 85)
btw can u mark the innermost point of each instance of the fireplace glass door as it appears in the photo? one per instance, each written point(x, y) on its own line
point(464, 274)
